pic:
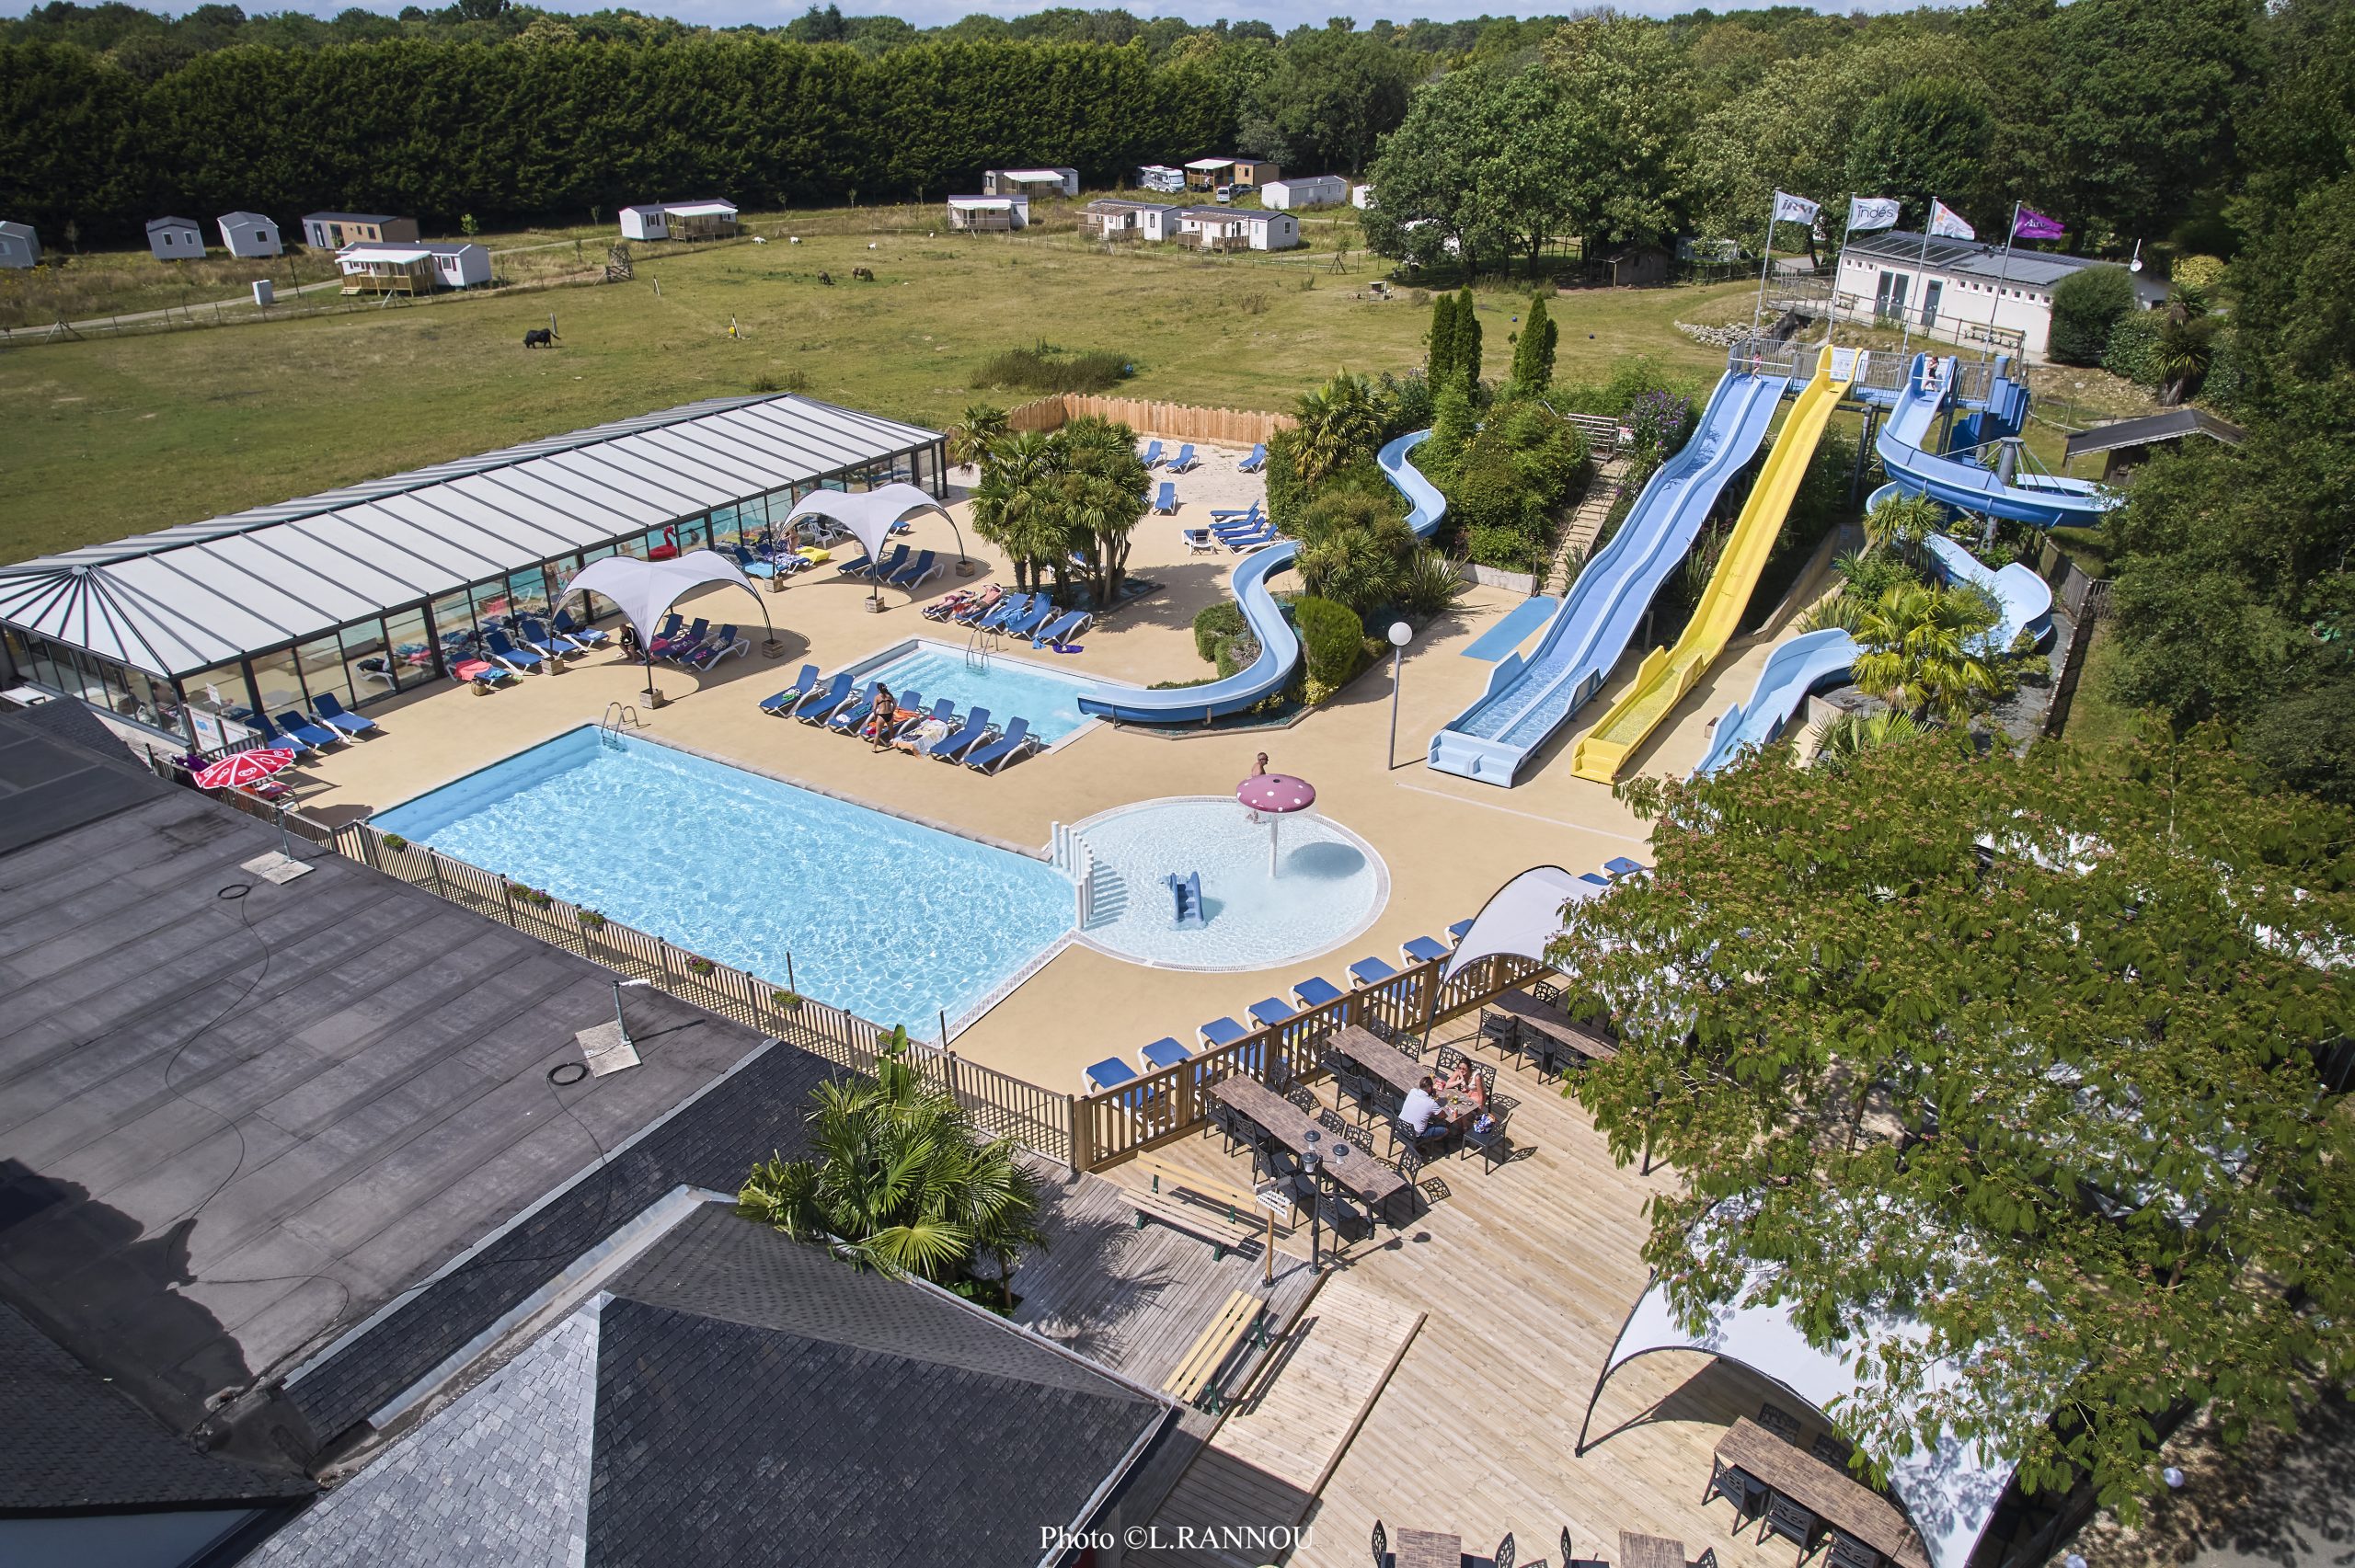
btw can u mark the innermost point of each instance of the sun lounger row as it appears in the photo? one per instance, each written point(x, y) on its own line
point(991, 609)
point(973, 740)
point(1184, 461)
point(896, 569)
point(328, 723)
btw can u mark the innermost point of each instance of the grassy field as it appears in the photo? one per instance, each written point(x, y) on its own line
point(131, 434)
point(2097, 718)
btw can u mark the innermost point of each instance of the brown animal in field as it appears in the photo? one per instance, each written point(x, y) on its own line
point(864, 274)
point(827, 279)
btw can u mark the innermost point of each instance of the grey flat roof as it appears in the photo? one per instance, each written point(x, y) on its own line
point(1976, 258)
point(236, 1119)
point(354, 217)
point(155, 224)
point(2173, 425)
point(190, 598)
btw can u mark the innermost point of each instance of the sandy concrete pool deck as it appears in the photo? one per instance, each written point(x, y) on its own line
point(1448, 842)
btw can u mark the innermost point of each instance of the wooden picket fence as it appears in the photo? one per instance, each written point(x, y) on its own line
point(1171, 422)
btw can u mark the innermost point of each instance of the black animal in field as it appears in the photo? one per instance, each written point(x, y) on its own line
point(540, 338)
point(827, 279)
point(864, 274)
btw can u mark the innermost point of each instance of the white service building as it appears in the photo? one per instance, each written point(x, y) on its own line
point(1963, 292)
point(175, 239)
point(250, 235)
point(1305, 191)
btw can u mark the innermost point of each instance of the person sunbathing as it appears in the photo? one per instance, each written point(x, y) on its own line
point(918, 740)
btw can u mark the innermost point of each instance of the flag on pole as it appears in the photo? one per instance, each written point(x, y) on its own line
point(1946, 223)
point(1867, 213)
point(1789, 209)
point(2032, 225)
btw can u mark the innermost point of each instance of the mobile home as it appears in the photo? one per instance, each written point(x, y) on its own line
point(1305, 191)
point(250, 235)
point(175, 239)
point(1033, 183)
point(680, 220)
point(333, 231)
point(985, 214)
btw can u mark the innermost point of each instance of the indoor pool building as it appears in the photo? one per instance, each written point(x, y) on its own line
point(372, 589)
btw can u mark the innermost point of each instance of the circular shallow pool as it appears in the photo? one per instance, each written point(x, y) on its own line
point(1328, 885)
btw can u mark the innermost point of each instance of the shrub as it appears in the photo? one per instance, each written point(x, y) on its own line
point(1238, 652)
point(1406, 403)
point(1355, 549)
point(1433, 584)
point(591, 920)
point(394, 842)
point(1045, 368)
point(1333, 638)
point(2085, 306)
point(2133, 350)
point(1214, 625)
point(2201, 274)
point(1506, 549)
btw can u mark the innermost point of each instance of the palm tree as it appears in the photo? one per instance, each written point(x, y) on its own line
point(1920, 645)
point(1338, 422)
point(1850, 735)
point(1010, 500)
point(1905, 520)
point(972, 437)
point(900, 1178)
point(1104, 493)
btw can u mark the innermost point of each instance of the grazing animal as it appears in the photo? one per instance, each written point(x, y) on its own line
point(827, 279)
point(866, 274)
point(539, 337)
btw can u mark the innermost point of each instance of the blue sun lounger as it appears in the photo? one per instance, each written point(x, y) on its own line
point(944, 710)
point(1165, 500)
point(1244, 543)
point(992, 755)
point(803, 684)
point(535, 637)
point(1371, 972)
point(1256, 461)
point(586, 635)
point(1029, 621)
point(1013, 604)
point(499, 650)
point(1315, 992)
point(673, 641)
point(1269, 1011)
point(815, 709)
point(854, 568)
point(1220, 1032)
point(1247, 515)
point(850, 716)
point(975, 729)
point(1423, 950)
point(1110, 1073)
point(1594, 879)
point(925, 565)
point(312, 735)
point(1064, 629)
point(1151, 457)
point(1620, 865)
point(295, 743)
point(1183, 460)
point(1164, 1052)
point(334, 713)
point(1252, 523)
point(891, 563)
point(1455, 933)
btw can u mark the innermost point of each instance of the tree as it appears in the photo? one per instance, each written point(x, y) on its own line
point(1336, 425)
point(1013, 507)
point(1923, 140)
point(981, 426)
point(1467, 339)
point(1625, 107)
point(2085, 305)
point(2025, 1050)
point(1851, 734)
point(1430, 210)
point(1333, 92)
point(1439, 364)
point(1921, 649)
point(1532, 352)
point(900, 1179)
point(1354, 549)
point(1101, 491)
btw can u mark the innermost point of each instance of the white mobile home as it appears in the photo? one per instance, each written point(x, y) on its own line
point(1228, 228)
point(19, 247)
point(1962, 291)
point(1033, 183)
point(250, 235)
point(1114, 218)
point(175, 239)
point(984, 214)
point(1305, 191)
point(678, 220)
point(1360, 196)
point(412, 268)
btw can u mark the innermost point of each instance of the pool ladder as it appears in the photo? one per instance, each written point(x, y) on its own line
point(977, 651)
point(609, 729)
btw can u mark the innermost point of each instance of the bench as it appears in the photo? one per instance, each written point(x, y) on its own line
point(1196, 1379)
point(1223, 1215)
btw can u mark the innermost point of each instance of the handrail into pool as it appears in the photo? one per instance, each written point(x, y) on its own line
point(1279, 648)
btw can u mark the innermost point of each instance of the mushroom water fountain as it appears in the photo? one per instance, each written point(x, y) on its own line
point(1277, 795)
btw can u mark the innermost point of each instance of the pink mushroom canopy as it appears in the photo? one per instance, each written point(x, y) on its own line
point(1276, 793)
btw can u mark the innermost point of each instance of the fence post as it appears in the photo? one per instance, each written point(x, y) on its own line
point(433, 865)
point(507, 897)
point(1083, 1130)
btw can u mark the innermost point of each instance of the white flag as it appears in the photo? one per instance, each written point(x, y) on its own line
point(1868, 212)
point(1948, 224)
point(1791, 209)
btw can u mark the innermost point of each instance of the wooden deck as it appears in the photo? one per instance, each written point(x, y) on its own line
point(1524, 1274)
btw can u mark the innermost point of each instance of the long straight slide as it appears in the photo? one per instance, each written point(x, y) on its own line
point(1669, 673)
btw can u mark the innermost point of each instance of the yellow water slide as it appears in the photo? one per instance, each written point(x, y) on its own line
point(1668, 674)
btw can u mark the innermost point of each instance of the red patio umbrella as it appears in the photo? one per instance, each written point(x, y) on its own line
point(1277, 794)
point(240, 769)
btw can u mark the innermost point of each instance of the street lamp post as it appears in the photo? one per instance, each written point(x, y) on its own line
point(1309, 1160)
point(1400, 634)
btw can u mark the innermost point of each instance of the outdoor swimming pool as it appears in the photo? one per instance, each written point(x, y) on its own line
point(1009, 688)
point(885, 918)
point(1328, 885)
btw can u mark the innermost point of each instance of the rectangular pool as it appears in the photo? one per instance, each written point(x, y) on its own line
point(885, 918)
point(1009, 688)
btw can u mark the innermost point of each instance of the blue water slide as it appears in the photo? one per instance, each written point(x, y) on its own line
point(1792, 671)
point(1279, 648)
point(1905, 442)
point(1528, 699)
point(2023, 599)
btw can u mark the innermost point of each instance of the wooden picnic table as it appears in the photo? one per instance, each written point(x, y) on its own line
point(1650, 1551)
point(1427, 1549)
point(1543, 1018)
point(1378, 1057)
point(1829, 1495)
point(1358, 1174)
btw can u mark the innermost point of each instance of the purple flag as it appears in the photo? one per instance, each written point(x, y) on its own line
point(2033, 224)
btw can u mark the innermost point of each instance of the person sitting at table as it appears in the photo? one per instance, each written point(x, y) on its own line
point(1420, 1105)
point(1467, 1082)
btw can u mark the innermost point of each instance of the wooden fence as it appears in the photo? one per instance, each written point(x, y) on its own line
point(2085, 597)
point(1115, 1122)
point(1001, 1105)
point(1174, 421)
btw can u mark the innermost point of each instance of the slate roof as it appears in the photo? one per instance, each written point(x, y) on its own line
point(155, 224)
point(1977, 258)
point(2173, 425)
point(75, 1442)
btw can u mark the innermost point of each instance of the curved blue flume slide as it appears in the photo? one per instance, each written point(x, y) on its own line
point(1792, 671)
point(1279, 648)
point(1527, 700)
point(2046, 501)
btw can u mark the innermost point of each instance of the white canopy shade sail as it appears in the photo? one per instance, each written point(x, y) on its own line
point(644, 589)
point(870, 515)
point(1521, 917)
point(1949, 1489)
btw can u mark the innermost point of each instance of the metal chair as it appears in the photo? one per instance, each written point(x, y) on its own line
point(1737, 1486)
point(1847, 1551)
point(1708, 1559)
point(1780, 1422)
point(1448, 1058)
point(1274, 1160)
point(1301, 1094)
point(1505, 1552)
point(1494, 1147)
point(1331, 1122)
point(1831, 1449)
point(1381, 1546)
point(1793, 1522)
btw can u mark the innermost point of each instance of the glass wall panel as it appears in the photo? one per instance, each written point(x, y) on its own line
point(453, 626)
point(364, 649)
point(320, 661)
point(408, 661)
point(218, 703)
point(491, 603)
point(152, 703)
point(529, 590)
point(278, 679)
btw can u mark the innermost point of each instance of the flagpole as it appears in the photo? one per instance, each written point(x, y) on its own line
point(1765, 259)
point(2003, 272)
point(1921, 280)
point(1839, 265)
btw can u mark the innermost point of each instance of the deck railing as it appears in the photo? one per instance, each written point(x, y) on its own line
point(1001, 1104)
point(1113, 1123)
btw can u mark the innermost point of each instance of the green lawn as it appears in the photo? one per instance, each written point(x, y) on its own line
point(2096, 719)
point(132, 434)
